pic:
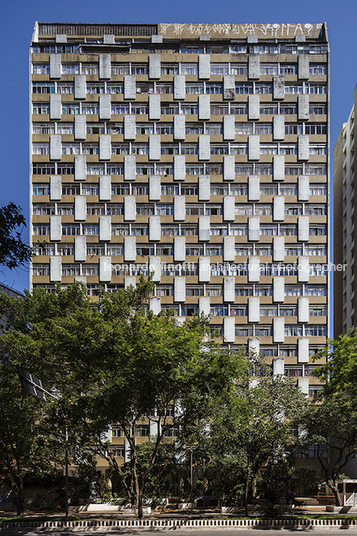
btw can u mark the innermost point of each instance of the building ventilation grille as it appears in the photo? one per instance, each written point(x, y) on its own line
point(99, 29)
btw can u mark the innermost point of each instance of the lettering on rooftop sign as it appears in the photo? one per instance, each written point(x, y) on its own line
point(239, 30)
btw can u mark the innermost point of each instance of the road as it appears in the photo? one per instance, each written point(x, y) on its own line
point(180, 531)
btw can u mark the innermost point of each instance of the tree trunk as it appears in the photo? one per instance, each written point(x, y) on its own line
point(140, 504)
point(246, 493)
point(334, 488)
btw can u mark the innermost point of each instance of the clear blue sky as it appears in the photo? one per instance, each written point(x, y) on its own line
point(16, 25)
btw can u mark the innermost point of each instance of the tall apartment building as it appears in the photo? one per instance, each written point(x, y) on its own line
point(345, 250)
point(198, 152)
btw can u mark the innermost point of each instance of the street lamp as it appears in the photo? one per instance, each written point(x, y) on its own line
point(33, 385)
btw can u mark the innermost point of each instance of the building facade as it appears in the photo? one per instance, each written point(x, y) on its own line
point(198, 153)
point(345, 251)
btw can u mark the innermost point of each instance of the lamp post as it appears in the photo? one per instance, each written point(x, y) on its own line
point(33, 385)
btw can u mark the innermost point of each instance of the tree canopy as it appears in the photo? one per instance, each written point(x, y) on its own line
point(14, 251)
point(113, 361)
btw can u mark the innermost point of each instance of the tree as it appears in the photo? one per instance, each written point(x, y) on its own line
point(115, 362)
point(250, 428)
point(13, 251)
point(27, 444)
point(339, 373)
point(330, 423)
point(331, 428)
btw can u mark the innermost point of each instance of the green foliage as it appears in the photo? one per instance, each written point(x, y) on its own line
point(27, 446)
point(250, 428)
point(13, 251)
point(340, 371)
point(114, 362)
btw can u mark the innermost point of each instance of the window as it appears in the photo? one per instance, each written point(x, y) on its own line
point(315, 331)
point(238, 68)
point(71, 108)
point(192, 128)
point(189, 189)
point(243, 331)
point(170, 189)
point(291, 128)
point(65, 209)
point(214, 88)
point(136, 148)
point(194, 88)
point(188, 108)
point(43, 169)
point(218, 229)
point(120, 229)
point(41, 68)
point(70, 148)
point(293, 290)
point(143, 430)
point(40, 148)
point(244, 88)
point(70, 229)
point(171, 431)
point(194, 250)
point(95, 128)
point(139, 230)
point(264, 128)
point(288, 189)
point(238, 229)
point(116, 128)
point(288, 229)
point(95, 210)
point(90, 229)
point(43, 128)
point(120, 189)
point(241, 290)
point(219, 109)
point(293, 250)
point(267, 229)
point(90, 269)
point(65, 88)
point(41, 108)
point(268, 310)
point(291, 330)
point(288, 109)
point(263, 88)
point(269, 68)
point(145, 210)
point(120, 109)
point(70, 68)
point(288, 310)
point(44, 249)
point(268, 189)
point(189, 230)
point(315, 169)
point(219, 68)
point(168, 68)
point(219, 189)
point(139, 68)
point(238, 148)
point(41, 229)
point(194, 210)
point(315, 290)
point(318, 310)
point(317, 229)
point(41, 269)
point(164, 210)
point(94, 88)
point(243, 210)
point(268, 109)
point(90, 189)
point(316, 68)
point(189, 68)
point(293, 89)
point(318, 109)
point(172, 148)
point(238, 109)
point(288, 69)
point(315, 128)
point(43, 87)
point(244, 128)
point(144, 251)
point(119, 68)
point(170, 230)
point(97, 249)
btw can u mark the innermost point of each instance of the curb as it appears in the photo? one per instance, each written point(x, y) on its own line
point(210, 523)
